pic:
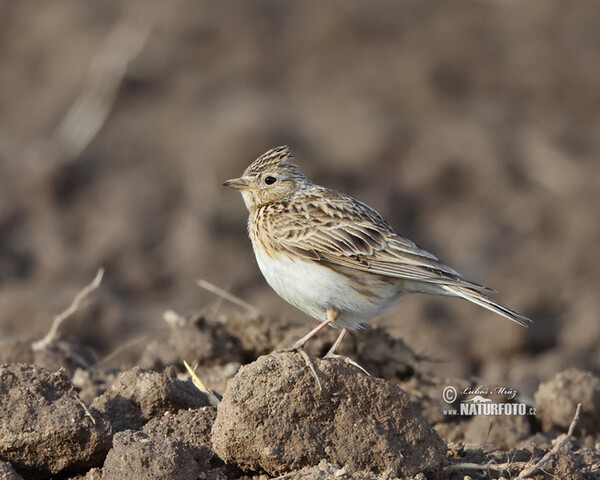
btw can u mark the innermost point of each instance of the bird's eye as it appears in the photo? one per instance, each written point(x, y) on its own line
point(270, 180)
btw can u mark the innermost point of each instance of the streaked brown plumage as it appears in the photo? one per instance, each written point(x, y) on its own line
point(334, 257)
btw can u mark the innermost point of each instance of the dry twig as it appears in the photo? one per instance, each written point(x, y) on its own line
point(86, 410)
point(60, 318)
point(120, 349)
point(228, 296)
point(497, 467)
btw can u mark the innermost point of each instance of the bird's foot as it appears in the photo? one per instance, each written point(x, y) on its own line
point(305, 357)
point(311, 366)
point(346, 359)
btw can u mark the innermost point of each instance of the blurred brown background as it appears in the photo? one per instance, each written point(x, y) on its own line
point(472, 126)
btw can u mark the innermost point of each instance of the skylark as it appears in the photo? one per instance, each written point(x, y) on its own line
point(335, 258)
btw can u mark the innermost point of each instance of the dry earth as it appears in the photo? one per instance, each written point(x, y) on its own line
point(278, 418)
point(473, 127)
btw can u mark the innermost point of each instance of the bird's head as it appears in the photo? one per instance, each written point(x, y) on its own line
point(270, 178)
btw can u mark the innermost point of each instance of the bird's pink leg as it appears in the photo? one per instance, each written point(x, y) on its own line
point(331, 316)
point(336, 345)
point(331, 353)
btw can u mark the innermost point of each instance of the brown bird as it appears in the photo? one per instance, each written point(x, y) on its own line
point(335, 258)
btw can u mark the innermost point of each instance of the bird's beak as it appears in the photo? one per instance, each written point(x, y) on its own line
point(237, 183)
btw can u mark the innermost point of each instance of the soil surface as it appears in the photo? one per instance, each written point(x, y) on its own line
point(473, 127)
point(288, 414)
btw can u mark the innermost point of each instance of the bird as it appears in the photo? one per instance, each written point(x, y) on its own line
point(335, 258)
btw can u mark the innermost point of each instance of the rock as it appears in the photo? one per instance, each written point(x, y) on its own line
point(192, 427)
point(274, 417)
point(137, 456)
point(557, 401)
point(136, 396)
point(49, 429)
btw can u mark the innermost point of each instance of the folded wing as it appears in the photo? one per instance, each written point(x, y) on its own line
point(332, 227)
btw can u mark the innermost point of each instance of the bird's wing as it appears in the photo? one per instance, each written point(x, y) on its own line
point(340, 230)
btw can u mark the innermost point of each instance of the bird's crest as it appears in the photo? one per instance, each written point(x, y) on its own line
point(275, 157)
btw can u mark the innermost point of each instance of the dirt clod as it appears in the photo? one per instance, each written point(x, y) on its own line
point(137, 456)
point(192, 427)
point(557, 401)
point(136, 396)
point(49, 429)
point(273, 417)
point(64, 353)
point(193, 339)
point(500, 431)
point(574, 464)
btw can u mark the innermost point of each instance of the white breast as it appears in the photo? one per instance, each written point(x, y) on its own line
point(314, 288)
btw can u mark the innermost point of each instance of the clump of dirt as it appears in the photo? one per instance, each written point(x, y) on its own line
point(473, 130)
point(572, 465)
point(194, 339)
point(136, 455)
point(66, 353)
point(275, 417)
point(136, 396)
point(500, 432)
point(94, 381)
point(259, 334)
point(45, 429)
point(557, 401)
point(191, 427)
point(262, 334)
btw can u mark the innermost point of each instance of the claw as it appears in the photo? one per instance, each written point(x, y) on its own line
point(311, 367)
point(346, 359)
point(306, 358)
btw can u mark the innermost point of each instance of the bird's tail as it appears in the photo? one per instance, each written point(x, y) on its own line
point(486, 302)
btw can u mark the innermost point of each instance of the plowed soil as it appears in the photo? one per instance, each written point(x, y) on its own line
point(473, 127)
